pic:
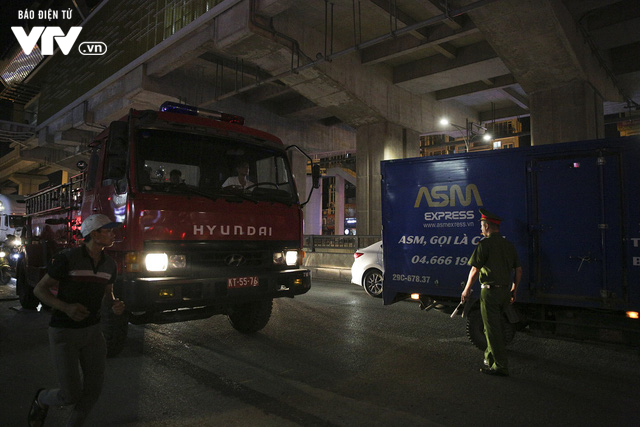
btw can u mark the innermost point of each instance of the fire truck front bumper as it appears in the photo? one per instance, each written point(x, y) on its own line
point(154, 294)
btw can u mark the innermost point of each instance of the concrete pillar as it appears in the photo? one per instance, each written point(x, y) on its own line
point(313, 211)
point(570, 113)
point(374, 143)
point(339, 206)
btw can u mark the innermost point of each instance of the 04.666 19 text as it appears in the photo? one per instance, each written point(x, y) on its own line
point(439, 260)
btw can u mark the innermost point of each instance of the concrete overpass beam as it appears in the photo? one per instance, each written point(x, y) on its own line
point(407, 44)
point(471, 64)
point(272, 8)
point(27, 183)
point(498, 82)
point(518, 99)
point(182, 52)
point(72, 137)
point(300, 108)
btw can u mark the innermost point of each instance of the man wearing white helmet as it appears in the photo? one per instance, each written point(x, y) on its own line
point(84, 278)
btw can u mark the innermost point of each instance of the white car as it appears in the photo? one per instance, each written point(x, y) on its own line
point(367, 269)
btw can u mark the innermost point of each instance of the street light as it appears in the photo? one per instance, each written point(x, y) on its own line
point(469, 132)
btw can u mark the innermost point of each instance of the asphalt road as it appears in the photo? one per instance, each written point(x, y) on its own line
point(332, 357)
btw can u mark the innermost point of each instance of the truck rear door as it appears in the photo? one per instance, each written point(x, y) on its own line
point(576, 224)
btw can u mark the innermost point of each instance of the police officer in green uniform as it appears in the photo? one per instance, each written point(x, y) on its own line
point(493, 262)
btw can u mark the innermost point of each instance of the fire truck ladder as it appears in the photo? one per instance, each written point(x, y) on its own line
point(64, 197)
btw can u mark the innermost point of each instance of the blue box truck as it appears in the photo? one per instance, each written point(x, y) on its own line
point(571, 209)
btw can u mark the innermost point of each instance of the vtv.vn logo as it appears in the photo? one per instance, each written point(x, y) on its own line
point(49, 34)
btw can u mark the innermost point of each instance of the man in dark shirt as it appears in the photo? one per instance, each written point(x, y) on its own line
point(494, 261)
point(83, 277)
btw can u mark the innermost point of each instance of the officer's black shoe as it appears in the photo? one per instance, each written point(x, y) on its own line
point(495, 372)
point(38, 412)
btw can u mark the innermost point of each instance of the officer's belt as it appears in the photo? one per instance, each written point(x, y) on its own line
point(492, 286)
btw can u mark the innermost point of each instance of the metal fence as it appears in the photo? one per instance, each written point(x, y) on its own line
point(316, 243)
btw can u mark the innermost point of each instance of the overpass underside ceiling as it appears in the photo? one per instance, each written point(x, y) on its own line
point(318, 60)
point(361, 62)
point(306, 62)
point(297, 58)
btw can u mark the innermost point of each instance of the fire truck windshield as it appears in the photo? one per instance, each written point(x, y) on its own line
point(182, 163)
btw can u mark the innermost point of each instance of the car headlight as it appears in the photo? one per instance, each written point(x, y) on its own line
point(289, 258)
point(3, 254)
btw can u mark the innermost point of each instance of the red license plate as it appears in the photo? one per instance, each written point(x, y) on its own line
point(242, 282)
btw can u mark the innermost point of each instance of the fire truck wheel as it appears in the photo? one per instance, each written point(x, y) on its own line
point(114, 329)
point(251, 317)
point(25, 292)
point(475, 329)
point(372, 283)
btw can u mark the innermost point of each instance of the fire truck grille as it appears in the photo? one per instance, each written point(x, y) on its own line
point(229, 259)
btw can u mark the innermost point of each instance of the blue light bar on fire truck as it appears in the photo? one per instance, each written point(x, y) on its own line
point(174, 107)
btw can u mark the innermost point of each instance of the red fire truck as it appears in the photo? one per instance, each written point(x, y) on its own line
point(189, 248)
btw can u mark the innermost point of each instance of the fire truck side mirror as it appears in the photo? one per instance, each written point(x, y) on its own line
point(121, 186)
point(315, 175)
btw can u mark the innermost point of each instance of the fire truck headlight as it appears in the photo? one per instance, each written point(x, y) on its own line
point(156, 262)
point(289, 258)
point(278, 258)
point(177, 261)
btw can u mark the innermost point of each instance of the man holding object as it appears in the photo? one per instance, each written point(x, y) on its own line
point(83, 277)
point(493, 262)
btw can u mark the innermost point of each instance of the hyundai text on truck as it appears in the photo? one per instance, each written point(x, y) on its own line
point(572, 210)
point(187, 249)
